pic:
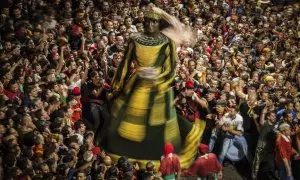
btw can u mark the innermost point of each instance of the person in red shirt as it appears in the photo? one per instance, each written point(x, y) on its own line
point(76, 111)
point(206, 165)
point(284, 152)
point(193, 103)
point(76, 105)
point(13, 90)
point(170, 164)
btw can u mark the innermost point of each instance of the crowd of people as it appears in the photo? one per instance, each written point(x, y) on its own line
point(241, 76)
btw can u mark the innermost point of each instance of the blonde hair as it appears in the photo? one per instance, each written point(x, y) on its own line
point(283, 126)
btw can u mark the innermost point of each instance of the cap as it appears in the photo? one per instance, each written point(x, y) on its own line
point(96, 150)
point(76, 29)
point(168, 149)
point(189, 84)
point(76, 91)
point(203, 148)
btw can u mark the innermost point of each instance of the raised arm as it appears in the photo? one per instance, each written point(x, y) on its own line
point(86, 71)
point(61, 61)
point(82, 48)
point(263, 116)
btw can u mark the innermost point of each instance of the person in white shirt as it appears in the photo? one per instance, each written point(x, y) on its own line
point(234, 141)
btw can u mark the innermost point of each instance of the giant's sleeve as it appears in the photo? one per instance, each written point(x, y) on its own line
point(169, 66)
point(123, 69)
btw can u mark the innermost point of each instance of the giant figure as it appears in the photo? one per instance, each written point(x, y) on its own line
point(143, 112)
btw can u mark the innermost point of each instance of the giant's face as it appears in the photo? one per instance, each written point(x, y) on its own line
point(151, 25)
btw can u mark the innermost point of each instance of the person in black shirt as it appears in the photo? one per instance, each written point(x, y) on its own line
point(210, 124)
point(75, 38)
point(250, 111)
point(94, 105)
point(263, 164)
